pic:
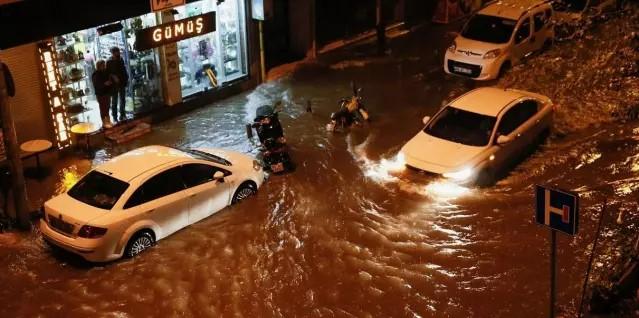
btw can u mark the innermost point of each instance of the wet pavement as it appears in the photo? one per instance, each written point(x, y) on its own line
point(349, 233)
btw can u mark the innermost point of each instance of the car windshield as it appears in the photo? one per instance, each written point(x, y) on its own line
point(99, 190)
point(487, 28)
point(197, 154)
point(462, 127)
point(569, 5)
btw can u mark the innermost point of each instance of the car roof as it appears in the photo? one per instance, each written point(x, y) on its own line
point(131, 164)
point(488, 101)
point(511, 9)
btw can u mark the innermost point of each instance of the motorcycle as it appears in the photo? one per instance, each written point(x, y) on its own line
point(351, 111)
point(273, 150)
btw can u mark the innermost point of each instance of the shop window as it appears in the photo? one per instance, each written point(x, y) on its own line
point(222, 53)
point(77, 55)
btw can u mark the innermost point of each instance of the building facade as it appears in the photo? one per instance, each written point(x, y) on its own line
point(299, 28)
point(52, 62)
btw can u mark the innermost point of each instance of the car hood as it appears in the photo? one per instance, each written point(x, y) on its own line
point(438, 155)
point(72, 210)
point(475, 48)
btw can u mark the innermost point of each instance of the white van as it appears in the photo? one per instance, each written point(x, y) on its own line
point(498, 37)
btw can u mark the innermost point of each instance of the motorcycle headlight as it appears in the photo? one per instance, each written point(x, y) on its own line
point(460, 175)
point(452, 47)
point(492, 54)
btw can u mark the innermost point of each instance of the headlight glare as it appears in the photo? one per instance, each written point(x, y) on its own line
point(460, 175)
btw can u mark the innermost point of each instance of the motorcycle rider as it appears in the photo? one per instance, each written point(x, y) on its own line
point(351, 111)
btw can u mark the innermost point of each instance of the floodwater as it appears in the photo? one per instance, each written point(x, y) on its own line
point(352, 234)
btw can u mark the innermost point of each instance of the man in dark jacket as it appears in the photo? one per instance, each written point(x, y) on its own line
point(102, 84)
point(117, 70)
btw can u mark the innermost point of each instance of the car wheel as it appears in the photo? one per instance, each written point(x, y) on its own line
point(486, 178)
point(245, 190)
point(504, 68)
point(139, 243)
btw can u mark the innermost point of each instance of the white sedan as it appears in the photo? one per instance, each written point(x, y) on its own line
point(125, 205)
point(479, 134)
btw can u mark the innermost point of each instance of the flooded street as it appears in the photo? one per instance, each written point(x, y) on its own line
point(351, 233)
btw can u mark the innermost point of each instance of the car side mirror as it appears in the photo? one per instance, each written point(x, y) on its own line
point(218, 176)
point(425, 119)
point(502, 140)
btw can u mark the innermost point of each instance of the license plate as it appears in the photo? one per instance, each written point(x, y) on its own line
point(61, 225)
point(462, 70)
point(278, 167)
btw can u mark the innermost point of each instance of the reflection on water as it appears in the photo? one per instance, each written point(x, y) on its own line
point(351, 233)
point(446, 190)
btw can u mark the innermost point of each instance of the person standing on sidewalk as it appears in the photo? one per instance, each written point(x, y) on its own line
point(117, 70)
point(103, 86)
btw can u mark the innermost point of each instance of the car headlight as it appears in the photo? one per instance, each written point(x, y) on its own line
point(401, 158)
point(256, 165)
point(452, 47)
point(492, 54)
point(460, 175)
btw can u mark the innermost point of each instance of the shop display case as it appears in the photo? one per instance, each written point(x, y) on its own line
point(77, 54)
point(211, 60)
point(74, 81)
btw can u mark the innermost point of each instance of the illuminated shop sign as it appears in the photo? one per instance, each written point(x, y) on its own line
point(175, 31)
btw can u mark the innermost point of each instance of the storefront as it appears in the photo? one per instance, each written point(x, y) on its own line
point(207, 63)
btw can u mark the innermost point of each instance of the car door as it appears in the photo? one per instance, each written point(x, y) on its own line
point(523, 41)
point(162, 199)
point(507, 126)
point(206, 195)
point(541, 28)
point(529, 127)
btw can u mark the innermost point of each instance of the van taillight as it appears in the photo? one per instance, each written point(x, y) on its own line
point(89, 231)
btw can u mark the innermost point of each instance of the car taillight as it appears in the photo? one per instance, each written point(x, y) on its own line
point(88, 231)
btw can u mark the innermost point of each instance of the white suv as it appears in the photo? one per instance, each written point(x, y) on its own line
point(498, 37)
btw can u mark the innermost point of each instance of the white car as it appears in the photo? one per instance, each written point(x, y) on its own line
point(125, 205)
point(479, 134)
point(500, 36)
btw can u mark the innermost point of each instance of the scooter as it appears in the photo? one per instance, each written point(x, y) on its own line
point(273, 150)
point(351, 111)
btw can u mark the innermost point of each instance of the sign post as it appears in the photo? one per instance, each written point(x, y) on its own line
point(262, 10)
point(559, 210)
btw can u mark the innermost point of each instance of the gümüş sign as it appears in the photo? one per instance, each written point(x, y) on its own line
point(174, 31)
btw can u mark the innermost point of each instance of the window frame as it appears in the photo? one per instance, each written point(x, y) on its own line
point(518, 109)
point(525, 20)
point(540, 20)
point(145, 199)
point(213, 167)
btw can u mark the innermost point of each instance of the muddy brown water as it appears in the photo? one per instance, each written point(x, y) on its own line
point(345, 235)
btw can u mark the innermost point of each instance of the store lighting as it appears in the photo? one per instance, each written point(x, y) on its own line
point(51, 76)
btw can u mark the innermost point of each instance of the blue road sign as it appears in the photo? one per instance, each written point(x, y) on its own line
point(557, 209)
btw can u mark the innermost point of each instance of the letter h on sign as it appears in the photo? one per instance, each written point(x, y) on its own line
point(557, 209)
